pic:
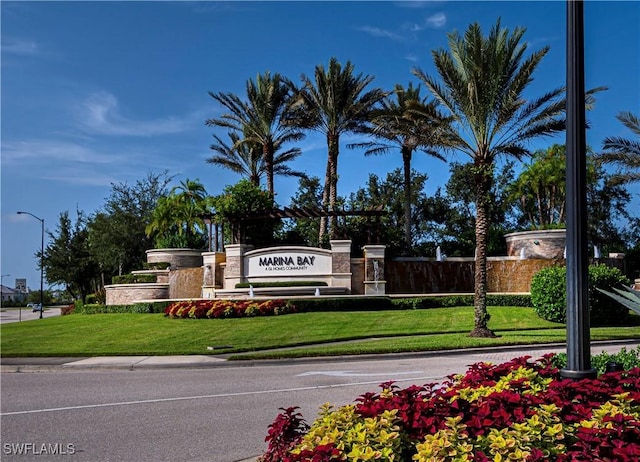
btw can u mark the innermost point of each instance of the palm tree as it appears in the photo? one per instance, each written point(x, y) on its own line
point(623, 152)
point(177, 218)
point(407, 122)
point(333, 104)
point(483, 80)
point(263, 119)
point(246, 159)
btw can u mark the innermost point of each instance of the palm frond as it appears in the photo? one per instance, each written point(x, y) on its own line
point(627, 297)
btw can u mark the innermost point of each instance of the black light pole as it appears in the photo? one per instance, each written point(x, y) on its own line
point(41, 220)
point(578, 341)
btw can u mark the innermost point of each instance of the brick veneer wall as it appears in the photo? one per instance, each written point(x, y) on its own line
point(180, 258)
point(125, 294)
point(514, 276)
point(537, 244)
point(186, 283)
point(357, 276)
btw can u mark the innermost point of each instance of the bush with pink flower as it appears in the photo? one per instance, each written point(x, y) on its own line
point(216, 309)
point(519, 410)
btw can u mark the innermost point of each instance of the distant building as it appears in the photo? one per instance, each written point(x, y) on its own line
point(12, 295)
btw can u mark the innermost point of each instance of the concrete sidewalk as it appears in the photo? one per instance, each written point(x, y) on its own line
point(497, 354)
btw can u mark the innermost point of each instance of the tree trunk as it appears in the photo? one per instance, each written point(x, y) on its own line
point(406, 160)
point(481, 316)
point(332, 170)
point(267, 155)
point(325, 202)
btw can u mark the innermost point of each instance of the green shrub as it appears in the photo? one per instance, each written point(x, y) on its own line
point(625, 296)
point(549, 299)
point(343, 304)
point(548, 293)
point(604, 310)
point(245, 285)
point(626, 359)
point(161, 265)
point(509, 300)
point(448, 301)
point(142, 308)
point(370, 303)
point(134, 279)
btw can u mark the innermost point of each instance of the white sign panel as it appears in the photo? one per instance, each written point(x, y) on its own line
point(287, 262)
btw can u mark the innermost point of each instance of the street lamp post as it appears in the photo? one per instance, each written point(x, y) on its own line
point(41, 220)
point(578, 340)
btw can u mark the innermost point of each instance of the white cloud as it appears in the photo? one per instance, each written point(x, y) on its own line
point(437, 20)
point(415, 3)
point(19, 46)
point(79, 164)
point(40, 152)
point(100, 114)
point(377, 32)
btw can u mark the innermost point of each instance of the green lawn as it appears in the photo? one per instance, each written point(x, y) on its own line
point(379, 332)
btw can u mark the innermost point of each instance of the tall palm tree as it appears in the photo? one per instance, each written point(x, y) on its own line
point(334, 103)
point(263, 119)
point(246, 159)
point(483, 81)
point(624, 152)
point(177, 217)
point(408, 122)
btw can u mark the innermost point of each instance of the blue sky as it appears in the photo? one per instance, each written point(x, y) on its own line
point(100, 92)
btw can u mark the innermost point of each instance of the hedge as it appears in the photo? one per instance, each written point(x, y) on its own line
point(322, 304)
point(142, 308)
point(371, 303)
point(134, 279)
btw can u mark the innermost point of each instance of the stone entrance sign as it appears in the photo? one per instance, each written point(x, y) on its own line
point(287, 261)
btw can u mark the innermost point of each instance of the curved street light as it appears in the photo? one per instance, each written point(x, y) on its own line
point(41, 220)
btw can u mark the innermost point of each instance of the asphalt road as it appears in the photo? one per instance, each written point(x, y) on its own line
point(213, 414)
point(26, 314)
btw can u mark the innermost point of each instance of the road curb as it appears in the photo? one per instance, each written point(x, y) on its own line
point(205, 361)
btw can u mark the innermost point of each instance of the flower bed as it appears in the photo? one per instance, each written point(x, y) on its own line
point(519, 410)
point(215, 309)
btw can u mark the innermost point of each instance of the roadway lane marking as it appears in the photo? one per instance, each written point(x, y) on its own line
point(220, 395)
point(352, 373)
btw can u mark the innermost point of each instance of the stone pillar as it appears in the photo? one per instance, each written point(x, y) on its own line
point(341, 264)
point(211, 278)
point(234, 270)
point(374, 281)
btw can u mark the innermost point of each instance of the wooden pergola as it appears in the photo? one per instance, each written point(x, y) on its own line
point(238, 223)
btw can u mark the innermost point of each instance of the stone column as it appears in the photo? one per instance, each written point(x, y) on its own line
point(211, 279)
point(374, 281)
point(234, 271)
point(341, 264)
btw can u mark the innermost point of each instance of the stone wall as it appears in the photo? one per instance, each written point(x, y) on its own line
point(514, 275)
point(178, 258)
point(357, 276)
point(186, 283)
point(537, 244)
point(456, 275)
point(125, 294)
point(425, 276)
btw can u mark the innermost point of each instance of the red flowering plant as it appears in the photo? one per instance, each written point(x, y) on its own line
point(519, 410)
point(216, 309)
